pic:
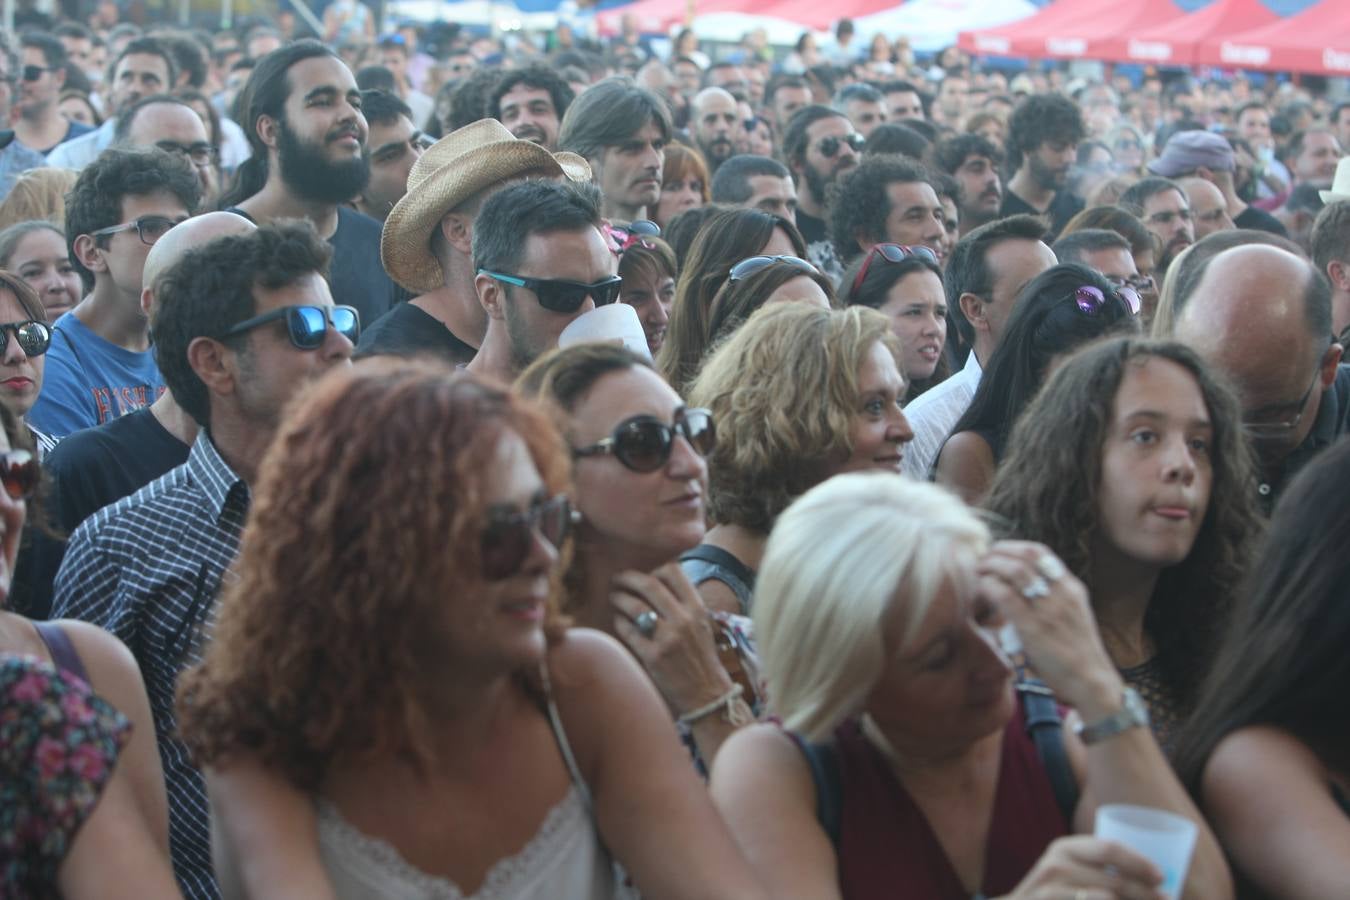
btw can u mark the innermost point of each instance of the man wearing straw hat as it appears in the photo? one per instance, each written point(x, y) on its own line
point(427, 245)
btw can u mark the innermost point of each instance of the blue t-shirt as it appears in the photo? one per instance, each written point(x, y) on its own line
point(89, 381)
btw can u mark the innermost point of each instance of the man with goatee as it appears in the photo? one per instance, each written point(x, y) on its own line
point(308, 136)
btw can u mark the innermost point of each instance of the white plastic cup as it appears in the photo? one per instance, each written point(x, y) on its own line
point(613, 323)
point(1163, 838)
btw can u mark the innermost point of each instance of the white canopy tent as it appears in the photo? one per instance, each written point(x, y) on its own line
point(732, 26)
point(933, 24)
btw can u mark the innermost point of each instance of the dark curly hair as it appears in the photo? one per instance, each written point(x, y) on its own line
point(1039, 119)
point(96, 199)
point(859, 202)
point(211, 289)
point(361, 531)
point(1047, 486)
point(536, 76)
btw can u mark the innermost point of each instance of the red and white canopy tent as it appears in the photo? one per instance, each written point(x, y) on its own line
point(1316, 40)
point(1027, 37)
point(660, 16)
point(1177, 41)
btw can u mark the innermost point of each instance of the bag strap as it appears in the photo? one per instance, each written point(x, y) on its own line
point(823, 760)
point(1045, 727)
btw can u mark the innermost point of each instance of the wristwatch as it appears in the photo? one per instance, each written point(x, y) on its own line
point(1133, 714)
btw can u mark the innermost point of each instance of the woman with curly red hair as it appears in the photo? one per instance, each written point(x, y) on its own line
point(391, 648)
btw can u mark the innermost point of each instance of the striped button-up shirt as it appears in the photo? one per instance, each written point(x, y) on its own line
point(148, 569)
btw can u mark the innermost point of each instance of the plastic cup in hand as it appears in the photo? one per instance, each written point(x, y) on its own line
point(1163, 838)
point(613, 323)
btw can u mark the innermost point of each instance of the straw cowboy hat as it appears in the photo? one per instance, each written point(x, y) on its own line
point(451, 171)
point(1340, 188)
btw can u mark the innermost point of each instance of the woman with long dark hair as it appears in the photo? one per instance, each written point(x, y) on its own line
point(1269, 743)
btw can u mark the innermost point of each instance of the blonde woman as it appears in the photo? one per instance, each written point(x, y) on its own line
point(902, 757)
point(38, 194)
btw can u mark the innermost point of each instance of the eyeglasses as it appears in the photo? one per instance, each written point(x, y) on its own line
point(148, 228)
point(200, 154)
point(558, 295)
point(1091, 300)
point(1269, 430)
point(644, 443)
point(1141, 284)
point(893, 253)
point(507, 538)
point(33, 73)
point(747, 267)
point(20, 473)
point(306, 326)
point(830, 145)
point(34, 337)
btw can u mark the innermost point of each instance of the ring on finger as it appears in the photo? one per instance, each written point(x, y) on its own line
point(1050, 567)
point(646, 622)
point(1036, 588)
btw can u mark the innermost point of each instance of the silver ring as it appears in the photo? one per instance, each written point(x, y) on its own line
point(646, 623)
point(1038, 587)
point(1051, 567)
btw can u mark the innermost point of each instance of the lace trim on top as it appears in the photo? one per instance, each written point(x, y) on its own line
point(1164, 710)
point(376, 863)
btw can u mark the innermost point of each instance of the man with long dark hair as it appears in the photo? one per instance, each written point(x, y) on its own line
point(308, 136)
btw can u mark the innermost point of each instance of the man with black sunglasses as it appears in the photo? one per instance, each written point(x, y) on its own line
point(15, 158)
point(100, 365)
point(819, 146)
point(542, 262)
point(241, 323)
point(40, 125)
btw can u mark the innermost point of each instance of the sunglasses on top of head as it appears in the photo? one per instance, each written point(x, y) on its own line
point(747, 267)
point(562, 296)
point(306, 326)
point(829, 146)
point(893, 253)
point(644, 443)
point(1090, 300)
point(20, 473)
point(508, 536)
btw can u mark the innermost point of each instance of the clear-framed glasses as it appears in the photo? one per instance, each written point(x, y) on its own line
point(148, 228)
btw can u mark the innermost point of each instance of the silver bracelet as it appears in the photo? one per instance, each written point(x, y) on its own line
point(726, 700)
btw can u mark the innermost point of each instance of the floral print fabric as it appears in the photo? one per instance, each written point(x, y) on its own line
point(58, 746)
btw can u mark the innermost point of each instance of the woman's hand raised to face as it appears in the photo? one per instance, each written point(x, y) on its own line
point(1049, 608)
point(679, 652)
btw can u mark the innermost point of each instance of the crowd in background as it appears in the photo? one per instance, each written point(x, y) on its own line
point(966, 457)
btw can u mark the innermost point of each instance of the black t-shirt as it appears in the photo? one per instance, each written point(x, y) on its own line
point(89, 470)
point(1259, 219)
point(356, 277)
point(1063, 208)
point(408, 330)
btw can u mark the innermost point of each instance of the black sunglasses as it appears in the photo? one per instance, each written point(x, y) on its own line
point(830, 145)
point(747, 267)
point(20, 473)
point(558, 295)
point(306, 326)
point(644, 443)
point(33, 73)
point(34, 337)
point(507, 537)
point(892, 253)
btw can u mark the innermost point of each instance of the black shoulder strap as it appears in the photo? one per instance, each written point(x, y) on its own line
point(824, 762)
point(1046, 730)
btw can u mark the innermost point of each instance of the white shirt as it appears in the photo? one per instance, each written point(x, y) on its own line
point(934, 413)
point(81, 151)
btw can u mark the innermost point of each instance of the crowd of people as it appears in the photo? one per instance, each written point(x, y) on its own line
point(971, 461)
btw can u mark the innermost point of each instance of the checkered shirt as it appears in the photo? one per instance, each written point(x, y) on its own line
point(148, 569)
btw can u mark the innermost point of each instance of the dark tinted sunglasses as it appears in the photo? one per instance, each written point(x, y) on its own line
point(891, 253)
point(508, 537)
point(307, 326)
point(20, 472)
point(830, 145)
point(33, 73)
point(747, 267)
point(644, 443)
point(34, 337)
point(1090, 300)
point(557, 295)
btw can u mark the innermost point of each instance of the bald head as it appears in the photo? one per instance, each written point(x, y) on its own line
point(181, 238)
point(1263, 316)
point(1208, 206)
point(716, 124)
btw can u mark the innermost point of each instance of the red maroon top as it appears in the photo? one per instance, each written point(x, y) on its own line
point(887, 849)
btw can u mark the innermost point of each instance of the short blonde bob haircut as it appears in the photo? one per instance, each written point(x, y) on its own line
point(837, 562)
point(783, 390)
